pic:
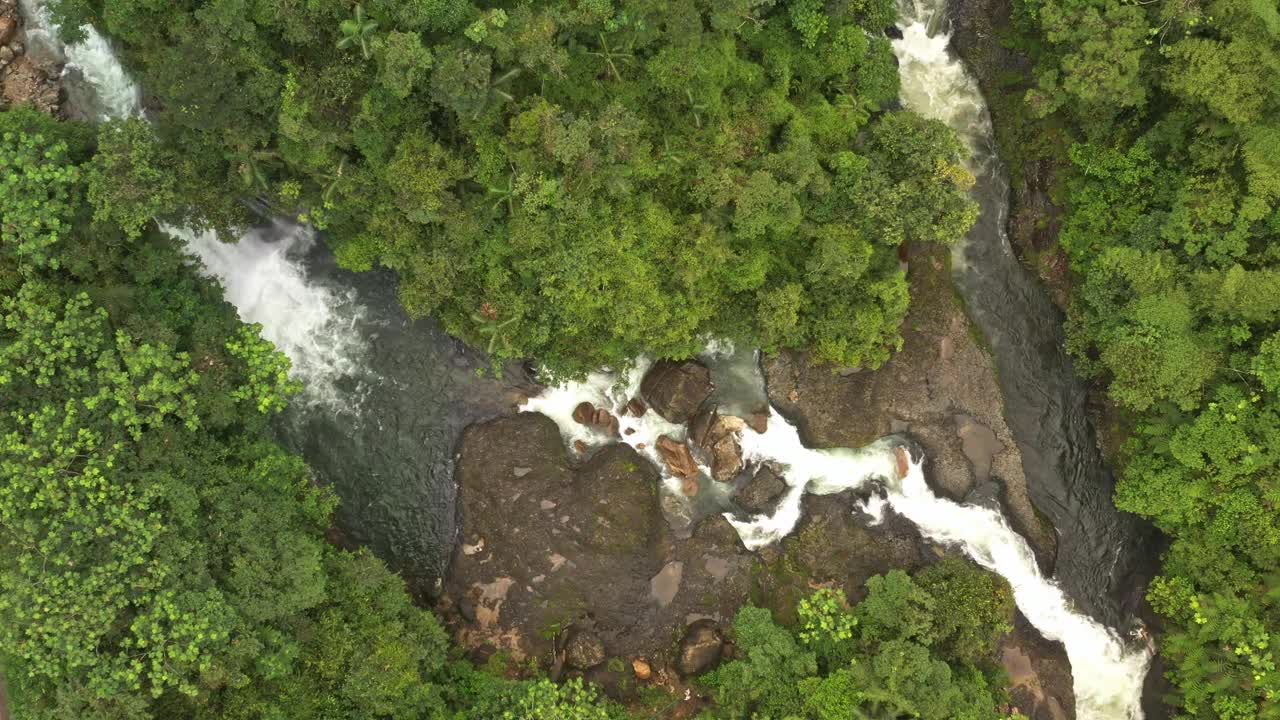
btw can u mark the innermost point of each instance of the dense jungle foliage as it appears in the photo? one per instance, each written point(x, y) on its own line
point(575, 182)
point(913, 648)
point(1172, 112)
point(160, 555)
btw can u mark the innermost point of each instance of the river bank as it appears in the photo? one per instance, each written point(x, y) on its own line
point(591, 556)
point(1034, 152)
point(27, 76)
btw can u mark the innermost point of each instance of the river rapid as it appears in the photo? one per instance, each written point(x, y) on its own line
point(387, 396)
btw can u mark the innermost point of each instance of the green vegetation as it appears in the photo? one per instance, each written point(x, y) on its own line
point(575, 182)
point(160, 556)
point(914, 648)
point(1172, 227)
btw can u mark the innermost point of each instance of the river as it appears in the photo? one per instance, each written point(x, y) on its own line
point(387, 396)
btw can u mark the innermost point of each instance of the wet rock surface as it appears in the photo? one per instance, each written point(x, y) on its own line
point(700, 649)
point(676, 390)
point(941, 388)
point(25, 78)
point(570, 544)
point(1040, 684)
point(761, 493)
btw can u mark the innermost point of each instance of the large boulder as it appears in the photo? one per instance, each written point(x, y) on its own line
point(675, 390)
point(584, 650)
point(700, 649)
point(717, 436)
point(676, 455)
point(760, 495)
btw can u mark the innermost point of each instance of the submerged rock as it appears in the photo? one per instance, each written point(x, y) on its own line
point(675, 390)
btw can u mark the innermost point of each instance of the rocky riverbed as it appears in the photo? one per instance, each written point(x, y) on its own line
point(26, 78)
point(565, 558)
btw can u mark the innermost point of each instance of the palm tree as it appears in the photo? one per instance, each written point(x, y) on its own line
point(357, 31)
point(612, 56)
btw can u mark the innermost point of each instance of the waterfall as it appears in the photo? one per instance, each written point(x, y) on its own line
point(317, 326)
point(264, 274)
point(116, 95)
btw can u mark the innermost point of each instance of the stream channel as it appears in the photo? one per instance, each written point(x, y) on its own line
point(387, 397)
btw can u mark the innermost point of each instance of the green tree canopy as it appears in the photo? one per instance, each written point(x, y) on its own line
point(572, 182)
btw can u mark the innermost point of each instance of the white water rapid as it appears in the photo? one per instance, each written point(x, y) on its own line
point(264, 274)
point(116, 93)
point(1108, 675)
point(316, 326)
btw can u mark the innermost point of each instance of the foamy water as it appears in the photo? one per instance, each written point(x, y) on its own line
point(1107, 674)
point(263, 274)
point(318, 327)
point(117, 94)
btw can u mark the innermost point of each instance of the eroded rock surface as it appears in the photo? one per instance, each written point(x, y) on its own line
point(553, 545)
point(1040, 684)
point(941, 388)
point(700, 649)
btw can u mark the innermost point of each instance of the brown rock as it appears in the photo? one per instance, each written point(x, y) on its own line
point(903, 461)
point(700, 649)
point(675, 390)
point(759, 422)
point(726, 458)
point(677, 457)
point(8, 28)
point(641, 446)
point(629, 431)
point(584, 650)
point(636, 406)
point(689, 486)
point(579, 446)
point(584, 414)
point(642, 669)
point(720, 440)
point(602, 418)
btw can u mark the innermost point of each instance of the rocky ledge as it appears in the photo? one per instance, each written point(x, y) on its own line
point(940, 387)
point(26, 78)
